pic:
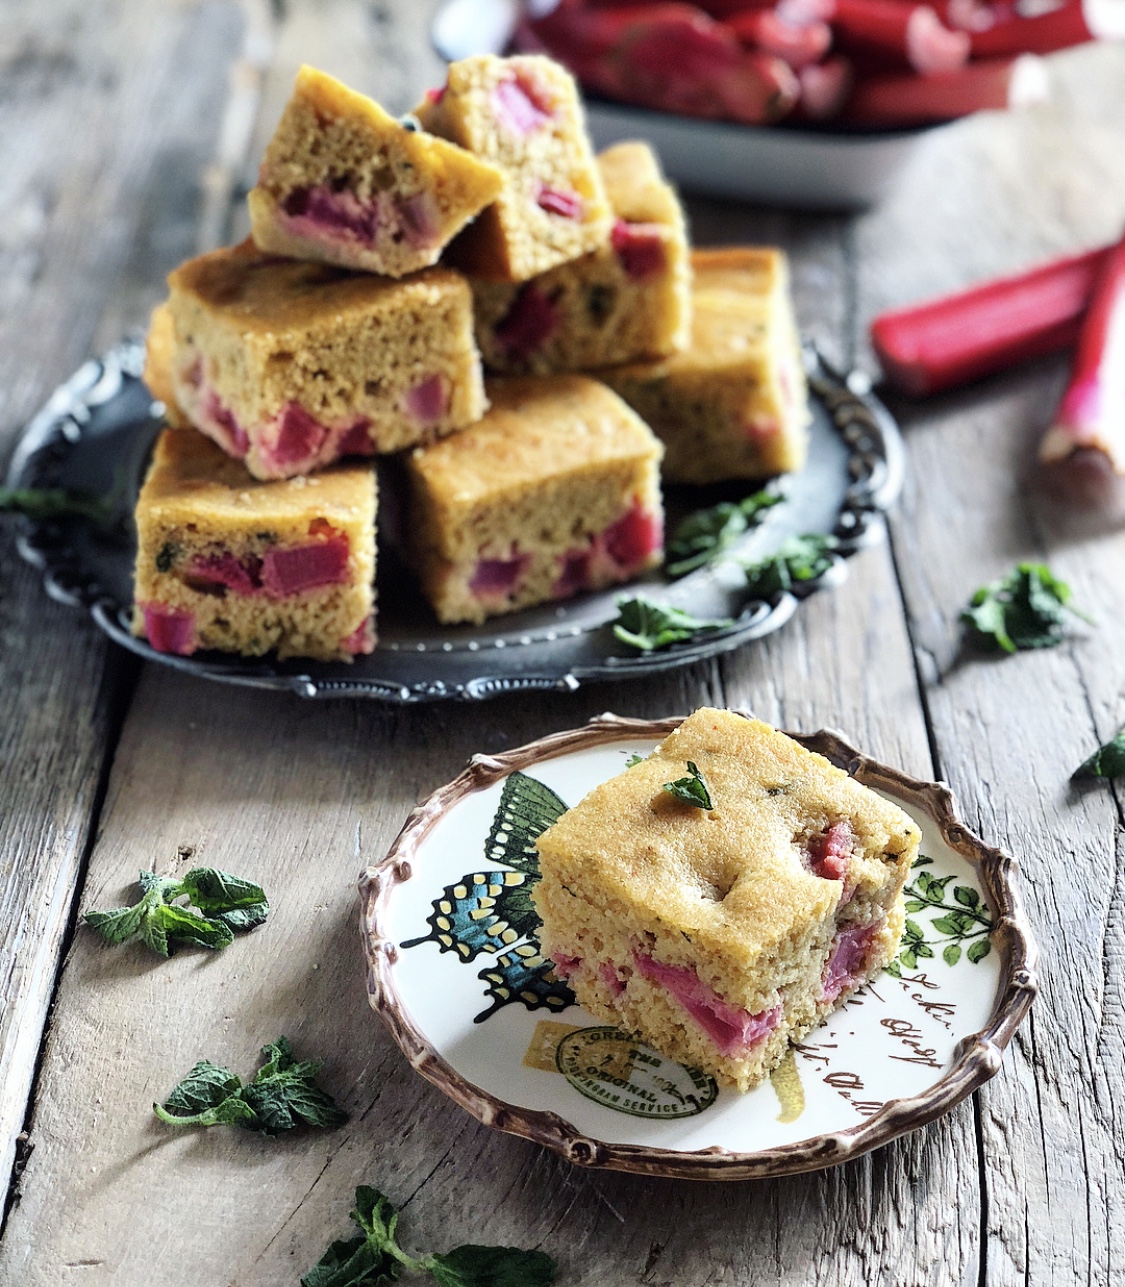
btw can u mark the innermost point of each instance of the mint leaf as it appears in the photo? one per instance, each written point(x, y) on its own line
point(473, 1266)
point(800, 559)
point(707, 534)
point(634, 759)
point(1107, 761)
point(646, 625)
point(281, 1096)
point(44, 503)
point(1029, 608)
point(352, 1263)
point(226, 904)
point(692, 789)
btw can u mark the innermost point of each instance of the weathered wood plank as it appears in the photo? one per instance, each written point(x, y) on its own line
point(1009, 733)
point(106, 123)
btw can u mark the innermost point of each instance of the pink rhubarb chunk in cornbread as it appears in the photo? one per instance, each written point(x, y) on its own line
point(719, 936)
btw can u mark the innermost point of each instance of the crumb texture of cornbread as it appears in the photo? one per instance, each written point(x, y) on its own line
point(522, 114)
point(720, 936)
point(242, 566)
point(160, 343)
point(344, 182)
point(734, 404)
point(628, 299)
point(555, 491)
point(290, 365)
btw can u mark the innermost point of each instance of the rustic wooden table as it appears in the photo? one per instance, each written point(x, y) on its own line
point(128, 135)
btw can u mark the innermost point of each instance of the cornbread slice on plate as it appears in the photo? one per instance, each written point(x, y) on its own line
point(555, 491)
point(629, 299)
point(523, 115)
point(290, 365)
point(242, 566)
point(734, 404)
point(344, 182)
point(720, 935)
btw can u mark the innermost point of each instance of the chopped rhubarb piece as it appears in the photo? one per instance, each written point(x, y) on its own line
point(949, 341)
point(519, 106)
point(732, 1029)
point(428, 400)
point(829, 853)
point(299, 437)
point(846, 962)
point(825, 88)
point(640, 247)
point(528, 324)
point(356, 439)
point(574, 575)
point(339, 213)
point(635, 536)
point(1092, 412)
point(909, 32)
point(568, 204)
point(243, 576)
point(611, 979)
point(291, 569)
point(995, 84)
point(234, 438)
point(362, 639)
point(1073, 22)
point(565, 965)
point(419, 217)
point(169, 630)
point(435, 95)
point(798, 44)
point(498, 577)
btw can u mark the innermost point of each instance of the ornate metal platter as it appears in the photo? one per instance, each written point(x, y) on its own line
point(454, 971)
point(95, 435)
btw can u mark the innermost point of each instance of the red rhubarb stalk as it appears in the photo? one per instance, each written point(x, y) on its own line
point(1091, 415)
point(825, 88)
point(949, 341)
point(799, 45)
point(913, 33)
point(1072, 23)
point(918, 100)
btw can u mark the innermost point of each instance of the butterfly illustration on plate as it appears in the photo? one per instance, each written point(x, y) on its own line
point(491, 911)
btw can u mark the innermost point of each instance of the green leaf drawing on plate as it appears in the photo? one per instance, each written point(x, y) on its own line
point(959, 921)
point(492, 911)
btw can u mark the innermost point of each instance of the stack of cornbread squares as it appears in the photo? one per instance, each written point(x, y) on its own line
point(392, 262)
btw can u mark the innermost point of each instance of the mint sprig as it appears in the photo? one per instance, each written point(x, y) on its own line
point(799, 559)
point(1107, 761)
point(375, 1256)
point(54, 502)
point(692, 789)
point(281, 1095)
point(642, 623)
point(707, 534)
point(1028, 608)
point(217, 904)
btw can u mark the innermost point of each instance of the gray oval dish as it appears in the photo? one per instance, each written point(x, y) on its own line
point(95, 434)
point(443, 939)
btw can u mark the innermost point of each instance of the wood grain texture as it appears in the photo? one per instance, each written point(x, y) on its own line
point(101, 145)
point(1009, 733)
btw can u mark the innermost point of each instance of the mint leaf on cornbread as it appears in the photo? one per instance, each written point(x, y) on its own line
point(644, 624)
point(707, 534)
point(1028, 608)
point(1107, 761)
point(282, 1095)
point(692, 789)
point(217, 904)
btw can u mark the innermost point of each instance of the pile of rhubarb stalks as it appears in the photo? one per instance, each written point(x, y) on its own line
point(872, 63)
point(1077, 302)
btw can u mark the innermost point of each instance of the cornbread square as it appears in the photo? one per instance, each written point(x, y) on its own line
point(734, 404)
point(242, 566)
point(629, 299)
point(720, 935)
point(524, 115)
point(160, 343)
point(290, 365)
point(555, 491)
point(344, 182)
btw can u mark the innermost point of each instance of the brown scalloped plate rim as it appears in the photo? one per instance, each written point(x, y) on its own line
point(976, 1059)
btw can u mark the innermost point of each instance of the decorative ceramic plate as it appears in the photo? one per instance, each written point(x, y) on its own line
point(95, 436)
point(812, 168)
point(455, 972)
